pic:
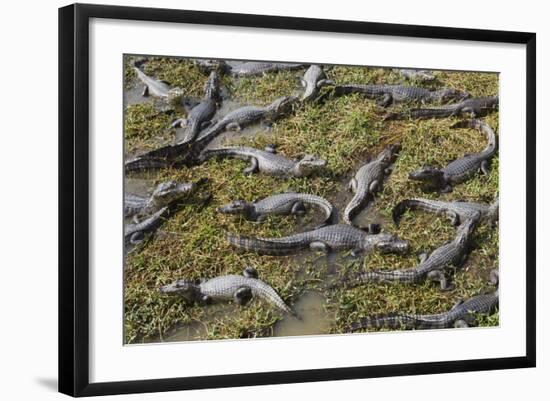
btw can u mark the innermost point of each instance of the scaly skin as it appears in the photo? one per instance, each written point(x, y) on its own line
point(461, 169)
point(336, 237)
point(314, 79)
point(477, 107)
point(252, 68)
point(415, 75)
point(368, 180)
point(165, 194)
point(200, 115)
point(459, 316)
point(135, 233)
point(158, 88)
point(267, 162)
point(456, 211)
point(187, 153)
point(432, 267)
point(388, 94)
point(280, 204)
point(240, 289)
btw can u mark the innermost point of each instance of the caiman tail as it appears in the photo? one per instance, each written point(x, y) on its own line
point(355, 206)
point(393, 321)
point(264, 246)
point(411, 204)
point(482, 126)
point(409, 275)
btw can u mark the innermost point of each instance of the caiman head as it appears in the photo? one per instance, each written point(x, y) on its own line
point(428, 174)
point(237, 207)
point(448, 94)
point(308, 165)
point(169, 192)
point(212, 86)
point(184, 288)
point(281, 105)
point(465, 230)
point(385, 243)
point(389, 154)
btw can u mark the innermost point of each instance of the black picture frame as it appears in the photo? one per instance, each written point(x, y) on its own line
point(74, 198)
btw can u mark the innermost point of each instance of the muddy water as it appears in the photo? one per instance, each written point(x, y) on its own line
point(314, 318)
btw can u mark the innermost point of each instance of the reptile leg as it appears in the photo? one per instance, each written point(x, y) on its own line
point(250, 272)
point(446, 189)
point(439, 276)
point(180, 122)
point(207, 300)
point(484, 167)
point(271, 148)
point(253, 168)
point(243, 295)
point(423, 257)
point(386, 100)
point(233, 126)
point(137, 237)
point(298, 208)
point(460, 324)
point(318, 246)
point(374, 186)
point(206, 124)
point(352, 185)
point(454, 217)
point(145, 92)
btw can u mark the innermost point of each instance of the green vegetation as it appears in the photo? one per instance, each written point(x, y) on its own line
point(344, 131)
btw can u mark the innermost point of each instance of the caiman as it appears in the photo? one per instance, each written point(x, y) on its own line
point(268, 162)
point(461, 315)
point(136, 233)
point(314, 79)
point(280, 204)
point(338, 237)
point(415, 75)
point(456, 211)
point(476, 107)
point(368, 180)
point(461, 169)
point(388, 94)
point(187, 153)
point(158, 88)
point(199, 117)
point(240, 289)
point(165, 194)
point(431, 267)
point(252, 68)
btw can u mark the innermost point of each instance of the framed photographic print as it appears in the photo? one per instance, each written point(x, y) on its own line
point(278, 199)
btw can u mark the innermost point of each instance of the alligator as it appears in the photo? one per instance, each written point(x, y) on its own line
point(165, 194)
point(330, 238)
point(461, 315)
point(187, 153)
point(388, 94)
point(461, 169)
point(280, 204)
point(456, 211)
point(431, 267)
point(268, 162)
point(239, 288)
point(247, 115)
point(368, 180)
point(200, 115)
point(251, 68)
point(475, 107)
point(158, 88)
point(314, 79)
point(209, 65)
point(415, 75)
point(136, 233)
